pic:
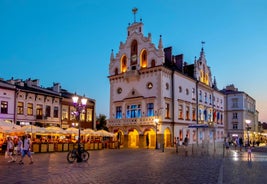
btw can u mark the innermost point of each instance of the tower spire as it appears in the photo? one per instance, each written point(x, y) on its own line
point(202, 43)
point(160, 46)
point(134, 10)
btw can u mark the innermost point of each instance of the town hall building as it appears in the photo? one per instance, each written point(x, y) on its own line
point(157, 97)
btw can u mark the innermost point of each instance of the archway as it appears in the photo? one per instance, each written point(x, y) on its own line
point(133, 139)
point(167, 137)
point(149, 138)
point(120, 137)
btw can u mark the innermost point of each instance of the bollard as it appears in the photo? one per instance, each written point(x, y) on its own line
point(163, 147)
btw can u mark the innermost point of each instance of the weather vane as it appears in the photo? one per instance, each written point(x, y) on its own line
point(134, 10)
point(202, 42)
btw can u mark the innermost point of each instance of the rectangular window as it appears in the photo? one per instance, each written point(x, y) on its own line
point(234, 115)
point(65, 113)
point(150, 109)
point(20, 108)
point(89, 115)
point(235, 103)
point(48, 111)
point(235, 126)
point(167, 115)
point(55, 112)
point(133, 111)
point(193, 94)
point(194, 114)
point(187, 113)
point(30, 109)
point(118, 112)
point(4, 107)
point(72, 112)
point(210, 99)
point(39, 111)
point(200, 96)
point(181, 112)
point(82, 116)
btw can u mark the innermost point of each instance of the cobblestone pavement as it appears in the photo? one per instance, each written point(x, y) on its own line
point(133, 166)
point(237, 169)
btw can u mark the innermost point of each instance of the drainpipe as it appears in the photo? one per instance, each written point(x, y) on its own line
point(15, 105)
point(173, 103)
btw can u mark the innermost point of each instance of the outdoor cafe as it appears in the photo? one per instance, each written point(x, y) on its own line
point(56, 139)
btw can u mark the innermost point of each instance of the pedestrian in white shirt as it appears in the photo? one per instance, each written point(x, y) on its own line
point(10, 149)
point(26, 149)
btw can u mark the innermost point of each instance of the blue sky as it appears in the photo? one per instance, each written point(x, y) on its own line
point(70, 41)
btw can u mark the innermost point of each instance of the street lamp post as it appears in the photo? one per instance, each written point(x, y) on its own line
point(248, 127)
point(79, 108)
point(156, 122)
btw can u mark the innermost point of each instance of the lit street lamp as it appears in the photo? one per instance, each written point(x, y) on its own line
point(248, 127)
point(80, 108)
point(156, 122)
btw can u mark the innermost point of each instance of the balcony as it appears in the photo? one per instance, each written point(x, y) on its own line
point(132, 121)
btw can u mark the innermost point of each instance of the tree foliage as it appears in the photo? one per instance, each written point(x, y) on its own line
point(101, 122)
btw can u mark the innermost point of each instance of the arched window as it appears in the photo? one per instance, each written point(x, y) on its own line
point(134, 52)
point(207, 79)
point(116, 71)
point(201, 76)
point(123, 63)
point(153, 63)
point(143, 59)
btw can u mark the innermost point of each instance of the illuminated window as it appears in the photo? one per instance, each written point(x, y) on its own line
point(194, 114)
point(89, 114)
point(65, 112)
point(187, 113)
point(30, 109)
point(133, 111)
point(143, 59)
point(20, 108)
point(123, 64)
point(4, 107)
point(181, 112)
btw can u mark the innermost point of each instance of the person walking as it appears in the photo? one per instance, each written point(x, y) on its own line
point(26, 149)
point(177, 144)
point(10, 149)
point(18, 148)
point(240, 143)
point(249, 153)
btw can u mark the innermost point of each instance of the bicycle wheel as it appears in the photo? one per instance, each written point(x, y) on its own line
point(85, 156)
point(71, 157)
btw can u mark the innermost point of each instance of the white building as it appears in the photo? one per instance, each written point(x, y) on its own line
point(149, 83)
point(7, 100)
point(241, 114)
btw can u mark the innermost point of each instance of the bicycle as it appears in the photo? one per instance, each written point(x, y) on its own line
point(73, 155)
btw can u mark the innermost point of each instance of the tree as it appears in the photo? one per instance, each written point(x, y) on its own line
point(101, 122)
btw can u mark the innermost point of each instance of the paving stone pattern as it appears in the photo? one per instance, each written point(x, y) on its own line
point(132, 166)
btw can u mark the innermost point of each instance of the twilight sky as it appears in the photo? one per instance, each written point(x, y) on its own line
point(70, 42)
